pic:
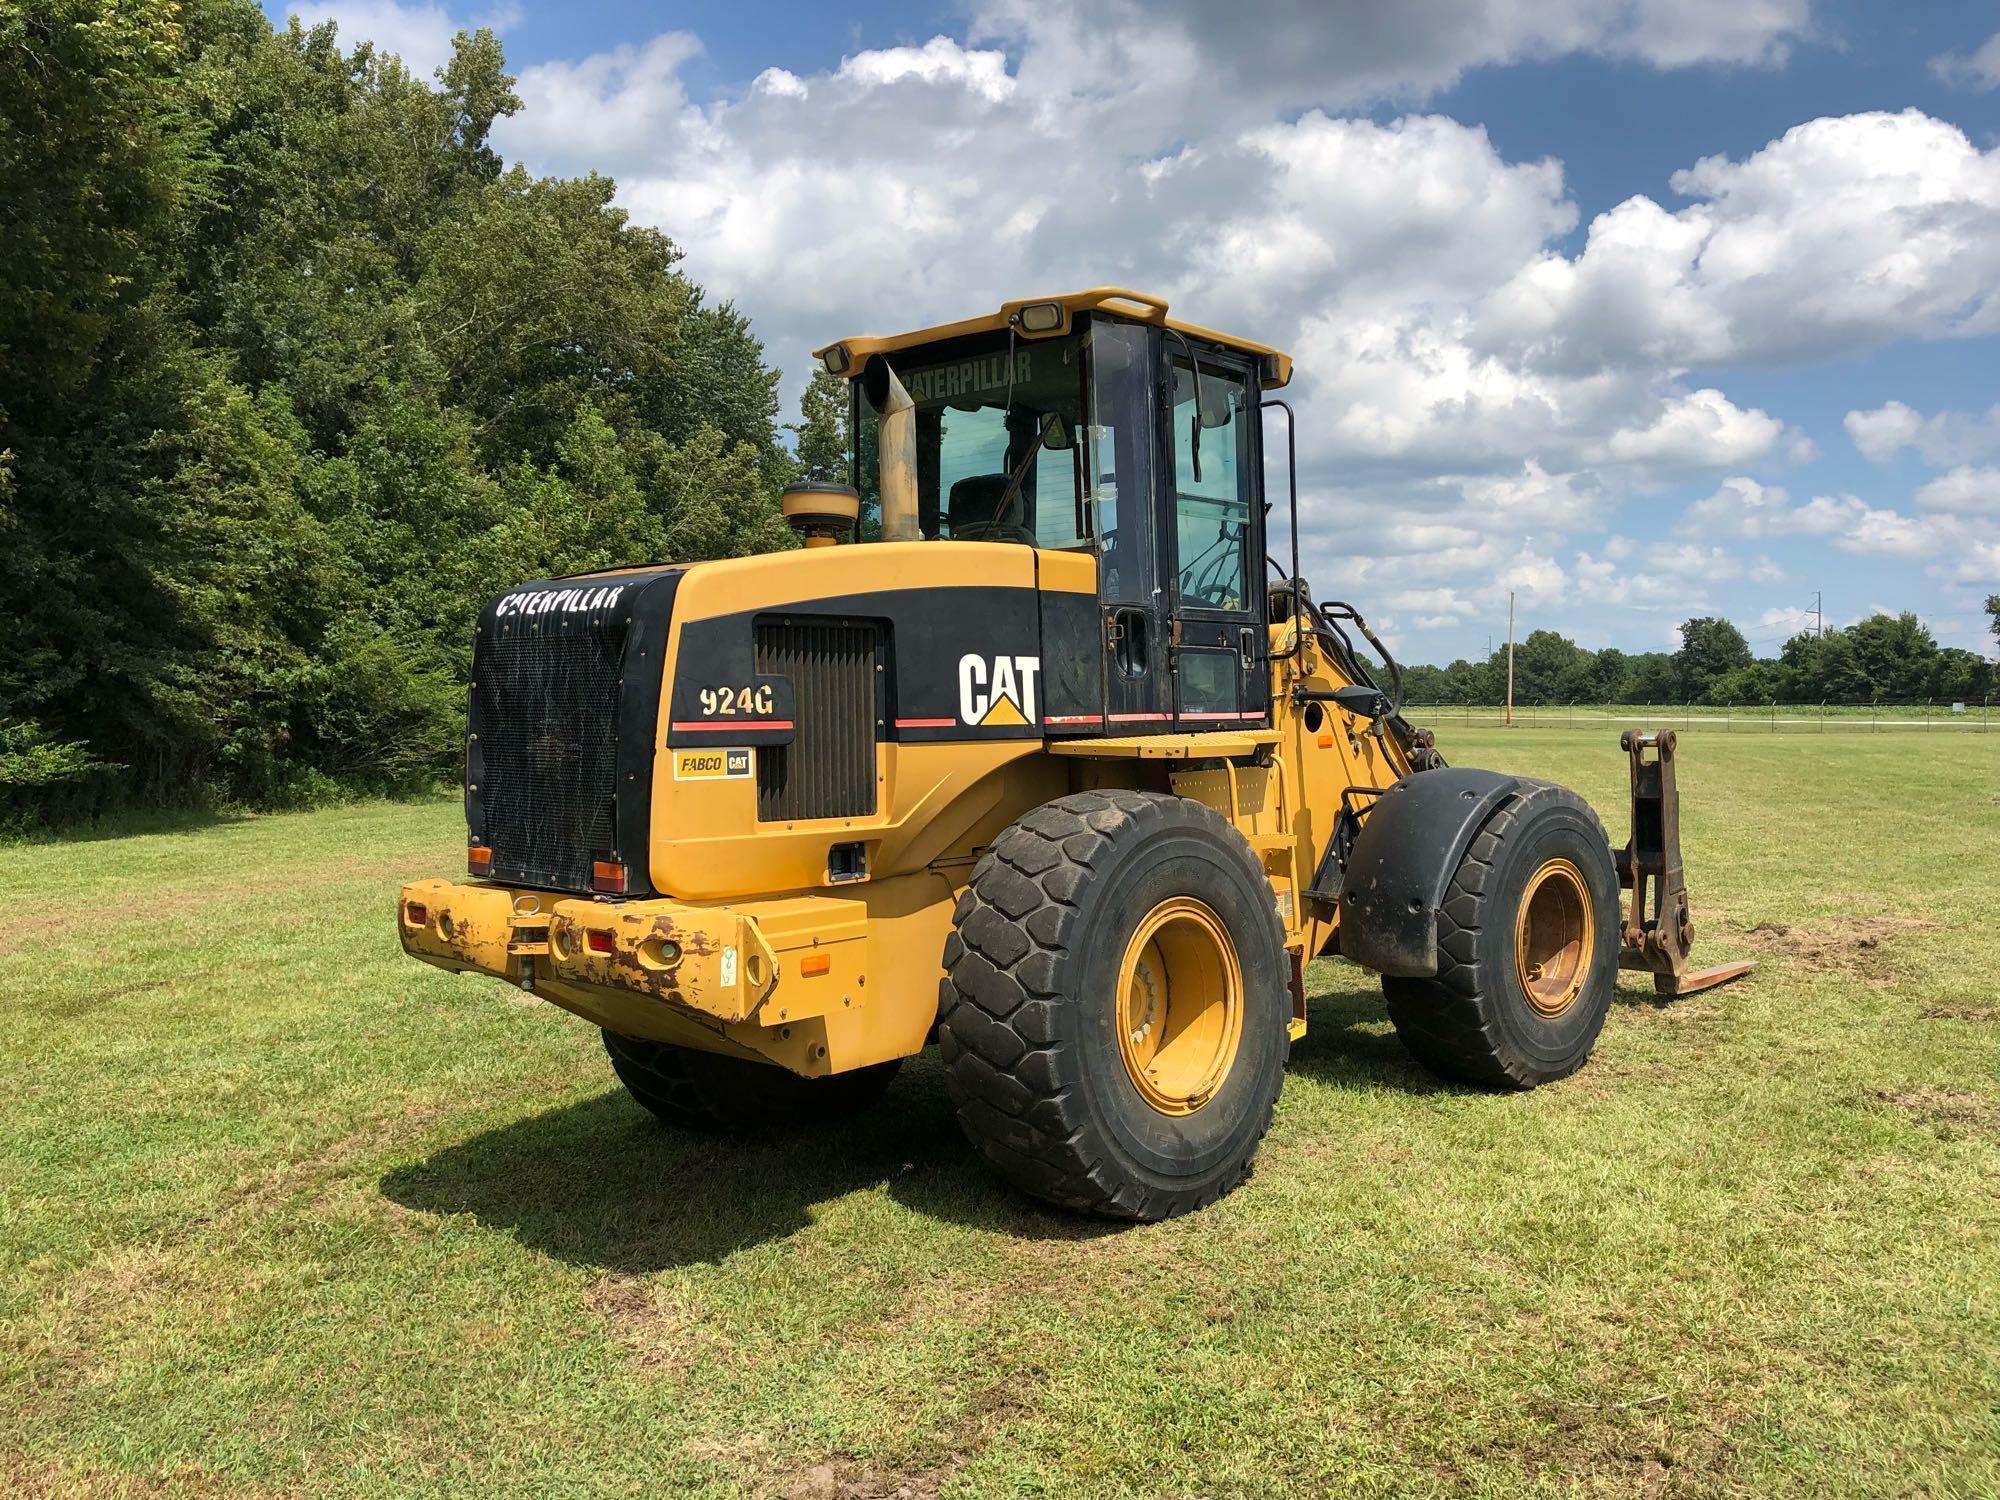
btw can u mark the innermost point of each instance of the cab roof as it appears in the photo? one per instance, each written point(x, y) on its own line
point(1140, 307)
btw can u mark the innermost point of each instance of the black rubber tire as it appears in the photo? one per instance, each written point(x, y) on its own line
point(1027, 1011)
point(706, 1091)
point(1473, 1022)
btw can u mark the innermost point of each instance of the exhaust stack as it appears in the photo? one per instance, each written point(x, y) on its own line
point(896, 441)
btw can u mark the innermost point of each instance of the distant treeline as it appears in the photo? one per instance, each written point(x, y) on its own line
point(1886, 658)
point(295, 373)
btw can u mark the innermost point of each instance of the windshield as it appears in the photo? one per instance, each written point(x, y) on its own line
point(1001, 444)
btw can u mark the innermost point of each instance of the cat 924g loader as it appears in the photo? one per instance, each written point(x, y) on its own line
point(1021, 752)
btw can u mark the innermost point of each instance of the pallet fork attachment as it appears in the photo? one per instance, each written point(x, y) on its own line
point(1658, 930)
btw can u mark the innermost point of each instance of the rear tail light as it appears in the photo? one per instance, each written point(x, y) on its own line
point(478, 859)
point(600, 942)
point(416, 913)
point(607, 877)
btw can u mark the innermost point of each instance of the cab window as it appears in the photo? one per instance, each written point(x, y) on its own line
point(1001, 442)
point(1212, 486)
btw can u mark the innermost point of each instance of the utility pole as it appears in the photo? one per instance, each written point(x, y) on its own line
point(1819, 616)
point(1510, 658)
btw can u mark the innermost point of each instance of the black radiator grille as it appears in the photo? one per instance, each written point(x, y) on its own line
point(546, 711)
point(828, 771)
point(565, 695)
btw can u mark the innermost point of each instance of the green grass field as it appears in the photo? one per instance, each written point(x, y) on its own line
point(282, 1212)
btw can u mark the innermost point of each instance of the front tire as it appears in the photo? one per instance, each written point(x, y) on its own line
point(1114, 1016)
point(1527, 949)
point(695, 1090)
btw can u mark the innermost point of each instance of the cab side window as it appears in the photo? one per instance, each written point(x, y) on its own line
point(1212, 489)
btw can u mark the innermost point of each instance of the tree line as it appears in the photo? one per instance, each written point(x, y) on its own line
point(295, 372)
point(1885, 658)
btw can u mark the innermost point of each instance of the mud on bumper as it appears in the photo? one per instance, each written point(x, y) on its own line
point(713, 960)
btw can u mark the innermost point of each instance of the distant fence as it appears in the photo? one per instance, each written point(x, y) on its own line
point(1769, 718)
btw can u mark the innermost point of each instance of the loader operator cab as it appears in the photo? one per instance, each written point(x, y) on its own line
point(1093, 424)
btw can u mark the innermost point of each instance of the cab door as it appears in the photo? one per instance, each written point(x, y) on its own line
point(1213, 527)
point(1123, 484)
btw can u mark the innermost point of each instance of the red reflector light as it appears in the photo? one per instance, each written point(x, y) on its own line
point(478, 859)
point(416, 913)
point(600, 942)
point(608, 877)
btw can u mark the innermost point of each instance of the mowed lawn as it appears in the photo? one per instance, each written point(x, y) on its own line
point(284, 1213)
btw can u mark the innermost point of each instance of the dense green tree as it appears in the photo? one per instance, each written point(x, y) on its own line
point(1610, 677)
point(1993, 614)
point(822, 429)
point(1891, 654)
point(1545, 664)
point(1655, 678)
point(1710, 649)
point(295, 372)
point(1959, 676)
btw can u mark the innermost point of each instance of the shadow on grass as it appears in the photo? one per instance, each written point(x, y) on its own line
point(1349, 1042)
point(125, 825)
point(603, 1184)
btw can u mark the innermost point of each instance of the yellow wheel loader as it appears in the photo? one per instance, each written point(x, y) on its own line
point(1022, 753)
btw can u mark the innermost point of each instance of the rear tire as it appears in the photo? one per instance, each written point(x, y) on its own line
point(705, 1091)
point(1527, 949)
point(1114, 1016)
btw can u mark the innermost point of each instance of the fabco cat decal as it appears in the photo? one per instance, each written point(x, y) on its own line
point(997, 690)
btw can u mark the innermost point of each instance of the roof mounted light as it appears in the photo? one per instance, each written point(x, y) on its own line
point(835, 359)
point(1039, 317)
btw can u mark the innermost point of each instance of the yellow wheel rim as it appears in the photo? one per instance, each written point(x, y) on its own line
point(1554, 937)
point(1180, 1006)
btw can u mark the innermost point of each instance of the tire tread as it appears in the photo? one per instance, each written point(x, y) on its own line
point(1014, 1085)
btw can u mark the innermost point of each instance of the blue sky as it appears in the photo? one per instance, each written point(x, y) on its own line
point(1639, 308)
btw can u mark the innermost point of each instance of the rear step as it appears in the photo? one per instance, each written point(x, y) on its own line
point(1659, 932)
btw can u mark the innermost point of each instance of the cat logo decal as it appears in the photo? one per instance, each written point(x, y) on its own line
point(998, 690)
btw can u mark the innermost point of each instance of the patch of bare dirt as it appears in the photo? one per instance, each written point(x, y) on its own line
point(1950, 1112)
point(654, 1332)
point(844, 1477)
point(1955, 1010)
point(1838, 943)
point(847, 1480)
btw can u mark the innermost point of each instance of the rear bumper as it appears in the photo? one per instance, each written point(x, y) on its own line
point(792, 979)
point(712, 960)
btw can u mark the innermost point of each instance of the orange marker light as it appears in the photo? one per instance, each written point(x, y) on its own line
point(478, 859)
point(815, 963)
point(607, 877)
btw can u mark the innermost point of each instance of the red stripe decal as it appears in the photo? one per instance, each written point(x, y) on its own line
point(1220, 716)
point(925, 723)
point(1072, 718)
point(724, 726)
point(1139, 718)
